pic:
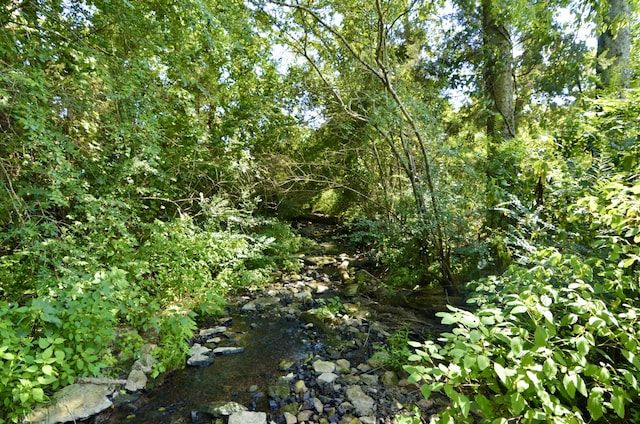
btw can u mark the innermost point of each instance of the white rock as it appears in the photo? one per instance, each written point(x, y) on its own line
point(305, 416)
point(248, 417)
point(327, 378)
point(145, 363)
point(227, 350)
point(320, 366)
point(72, 403)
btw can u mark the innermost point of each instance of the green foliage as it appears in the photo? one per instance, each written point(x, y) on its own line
point(553, 341)
point(331, 307)
point(396, 350)
point(65, 325)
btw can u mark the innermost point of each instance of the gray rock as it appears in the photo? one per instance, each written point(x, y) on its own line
point(72, 403)
point(248, 417)
point(227, 350)
point(369, 379)
point(321, 367)
point(305, 416)
point(289, 418)
point(368, 420)
point(137, 380)
point(214, 340)
point(197, 348)
point(223, 409)
point(343, 365)
point(327, 378)
point(317, 403)
point(261, 303)
point(364, 405)
point(211, 331)
point(390, 378)
point(145, 363)
point(200, 360)
point(364, 367)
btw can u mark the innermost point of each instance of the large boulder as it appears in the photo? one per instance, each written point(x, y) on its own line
point(73, 403)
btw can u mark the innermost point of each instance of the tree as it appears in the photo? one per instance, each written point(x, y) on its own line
point(361, 42)
point(614, 45)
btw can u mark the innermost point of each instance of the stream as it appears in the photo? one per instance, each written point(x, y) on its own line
point(285, 331)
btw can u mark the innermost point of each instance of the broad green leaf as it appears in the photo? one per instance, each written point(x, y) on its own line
point(485, 405)
point(517, 403)
point(24, 397)
point(520, 309)
point(626, 263)
point(521, 385)
point(426, 390)
point(581, 387)
point(594, 403)
point(501, 373)
point(546, 313)
point(617, 402)
point(569, 382)
point(540, 336)
point(37, 394)
point(469, 361)
point(516, 346)
point(582, 344)
point(550, 369)
point(47, 369)
point(469, 320)
point(464, 403)
point(483, 362)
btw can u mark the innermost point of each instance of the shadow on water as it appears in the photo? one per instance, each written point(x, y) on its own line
point(265, 342)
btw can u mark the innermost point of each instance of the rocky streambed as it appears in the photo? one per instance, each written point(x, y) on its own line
point(302, 350)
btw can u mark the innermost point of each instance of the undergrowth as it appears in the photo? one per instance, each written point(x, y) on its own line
point(82, 302)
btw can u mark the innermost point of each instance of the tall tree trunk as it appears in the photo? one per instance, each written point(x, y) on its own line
point(614, 46)
point(499, 92)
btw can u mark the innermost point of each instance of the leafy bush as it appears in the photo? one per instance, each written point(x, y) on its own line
point(556, 341)
point(79, 293)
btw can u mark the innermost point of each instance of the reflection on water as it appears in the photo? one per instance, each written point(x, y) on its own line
point(229, 378)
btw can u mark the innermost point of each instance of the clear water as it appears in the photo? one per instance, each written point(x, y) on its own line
point(229, 378)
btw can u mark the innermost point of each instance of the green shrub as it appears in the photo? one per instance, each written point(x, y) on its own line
point(551, 343)
point(554, 341)
point(67, 301)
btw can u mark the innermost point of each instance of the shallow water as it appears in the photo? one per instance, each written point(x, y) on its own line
point(229, 378)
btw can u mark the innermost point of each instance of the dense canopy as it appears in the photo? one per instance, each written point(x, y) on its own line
point(153, 151)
